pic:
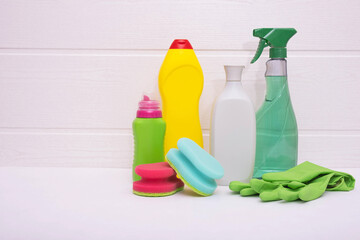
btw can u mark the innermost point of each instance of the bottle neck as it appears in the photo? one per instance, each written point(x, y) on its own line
point(149, 113)
point(276, 86)
point(233, 85)
point(232, 82)
point(276, 67)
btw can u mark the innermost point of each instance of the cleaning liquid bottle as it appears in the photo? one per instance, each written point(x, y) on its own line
point(149, 132)
point(276, 128)
point(233, 129)
point(181, 82)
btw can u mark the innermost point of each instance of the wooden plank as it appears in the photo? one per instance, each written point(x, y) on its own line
point(332, 149)
point(66, 149)
point(101, 91)
point(114, 148)
point(214, 24)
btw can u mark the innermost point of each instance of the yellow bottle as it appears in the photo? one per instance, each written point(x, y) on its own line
point(181, 82)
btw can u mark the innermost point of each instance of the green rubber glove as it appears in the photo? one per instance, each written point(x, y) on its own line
point(268, 191)
point(306, 182)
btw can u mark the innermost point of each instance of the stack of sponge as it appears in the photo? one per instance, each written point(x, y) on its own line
point(192, 164)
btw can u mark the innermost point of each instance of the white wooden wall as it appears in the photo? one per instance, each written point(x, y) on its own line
point(72, 72)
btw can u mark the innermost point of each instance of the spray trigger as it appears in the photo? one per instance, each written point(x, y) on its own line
point(262, 44)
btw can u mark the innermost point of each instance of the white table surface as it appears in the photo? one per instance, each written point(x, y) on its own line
point(97, 203)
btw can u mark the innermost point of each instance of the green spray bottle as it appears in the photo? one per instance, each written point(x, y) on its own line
point(276, 128)
point(149, 132)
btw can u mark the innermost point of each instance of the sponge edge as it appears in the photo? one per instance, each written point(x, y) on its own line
point(201, 159)
point(195, 166)
point(201, 187)
point(157, 180)
point(144, 194)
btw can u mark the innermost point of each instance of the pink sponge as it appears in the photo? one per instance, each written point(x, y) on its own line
point(157, 180)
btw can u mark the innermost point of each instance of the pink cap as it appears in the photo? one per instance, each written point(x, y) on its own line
point(148, 108)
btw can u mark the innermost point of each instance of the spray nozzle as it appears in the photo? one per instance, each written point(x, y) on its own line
point(276, 38)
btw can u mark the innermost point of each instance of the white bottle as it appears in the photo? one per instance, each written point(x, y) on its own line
point(233, 130)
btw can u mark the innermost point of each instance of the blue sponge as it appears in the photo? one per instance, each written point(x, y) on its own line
point(197, 168)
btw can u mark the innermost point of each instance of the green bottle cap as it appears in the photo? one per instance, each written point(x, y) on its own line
point(275, 38)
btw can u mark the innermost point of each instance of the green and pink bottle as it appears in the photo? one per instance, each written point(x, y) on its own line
point(149, 132)
point(276, 128)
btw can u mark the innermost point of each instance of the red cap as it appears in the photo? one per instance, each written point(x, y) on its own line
point(181, 44)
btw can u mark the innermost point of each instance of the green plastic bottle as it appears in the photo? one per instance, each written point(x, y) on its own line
point(149, 132)
point(276, 128)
